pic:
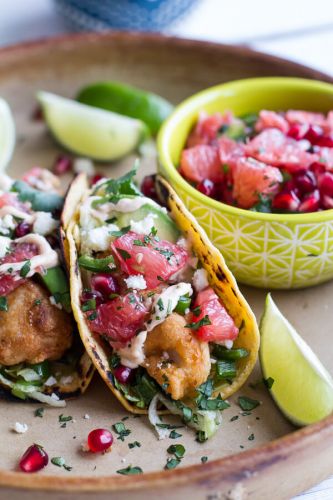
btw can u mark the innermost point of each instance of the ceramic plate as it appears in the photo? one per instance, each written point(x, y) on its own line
point(254, 456)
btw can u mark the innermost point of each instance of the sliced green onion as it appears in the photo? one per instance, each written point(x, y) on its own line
point(221, 352)
point(184, 303)
point(225, 370)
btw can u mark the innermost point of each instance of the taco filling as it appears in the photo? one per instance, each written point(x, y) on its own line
point(39, 356)
point(148, 315)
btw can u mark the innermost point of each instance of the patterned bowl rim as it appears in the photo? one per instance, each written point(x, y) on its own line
point(196, 102)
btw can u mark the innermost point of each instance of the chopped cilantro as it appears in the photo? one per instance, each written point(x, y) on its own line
point(114, 361)
point(251, 437)
point(89, 305)
point(130, 471)
point(3, 304)
point(177, 449)
point(121, 231)
point(135, 444)
point(198, 324)
point(268, 382)
point(92, 316)
point(63, 418)
point(121, 430)
point(174, 435)
point(201, 436)
point(39, 412)
point(160, 304)
point(125, 255)
point(172, 463)
point(204, 460)
point(138, 243)
point(247, 404)
point(58, 461)
point(196, 311)
point(25, 269)
point(37, 302)
point(235, 417)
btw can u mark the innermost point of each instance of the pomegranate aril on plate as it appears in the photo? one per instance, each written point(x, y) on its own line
point(123, 374)
point(317, 168)
point(62, 165)
point(313, 134)
point(148, 187)
point(96, 178)
point(22, 229)
point(287, 201)
point(325, 184)
point(99, 440)
point(297, 131)
point(325, 142)
point(310, 203)
point(326, 202)
point(206, 187)
point(105, 284)
point(34, 459)
point(91, 295)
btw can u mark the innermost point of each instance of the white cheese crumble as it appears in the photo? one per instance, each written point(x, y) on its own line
point(86, 416)
point(84, 165)
point(20, 428)
point(44, 223)
point(4, 245)
point(200, 281)
point(6, 224)
point(143, 226)
point(5, 182)
point(137, 282)
point(97, 239)
point(166, 302)
point(133, 355)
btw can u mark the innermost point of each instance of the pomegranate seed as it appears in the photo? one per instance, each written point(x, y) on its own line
point(325, 142)
point(105, 284)
point(226, 195)
point(92, 294)
point(313, 134)
point(297, 131)
point(317, 168)
point(206, 187)
point(99, 440)
point(148, 187)
point(326, 202)
point(34, 459)
point(62, 165)
point(287, 201)
point(123, 374)
point(310, 203)
point(22, 229)
point(306, 181)
point(325, 184)
point(96, 178)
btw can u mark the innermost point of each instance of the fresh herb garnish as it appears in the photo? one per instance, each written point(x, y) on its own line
point(221, 352)
point(160, 304)
point(37, 302)
point(125, 255)
point(247, 404)
point(138, 243)
point(92, 316)
point(25, 269)
point(130, 471)
point(251, 437)
point(203, 400)
point(198, 324)
point(174, 435)
point(89, 305)
point(235, 417)
point(63, 418)
point(39, 412)
point(135, 444)
point(268, 382)
point(3, 304)
point(121, 231)
point(114, 361)
point(176, 449)
point(171, 463)
point(201, 436)
point(58, 461)
point(123, 185)
point(196, 311)
point(204, 460)
point(121, 430)
point(225, 370)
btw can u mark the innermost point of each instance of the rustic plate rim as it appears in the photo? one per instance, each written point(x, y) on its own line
point(233, 467)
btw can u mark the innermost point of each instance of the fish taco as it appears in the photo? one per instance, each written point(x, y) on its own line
point(41, 355)
point(158, 311)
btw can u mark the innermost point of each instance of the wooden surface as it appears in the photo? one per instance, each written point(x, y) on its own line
point(268, 465)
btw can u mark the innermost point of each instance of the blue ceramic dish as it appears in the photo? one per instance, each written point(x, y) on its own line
point(138, 15)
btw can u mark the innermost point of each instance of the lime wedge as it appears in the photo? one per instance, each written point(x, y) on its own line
point(302, 387)
point(88, 131)
point(127, 100)
point(7, 134)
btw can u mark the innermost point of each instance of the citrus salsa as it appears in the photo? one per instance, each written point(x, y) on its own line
point(265, 162)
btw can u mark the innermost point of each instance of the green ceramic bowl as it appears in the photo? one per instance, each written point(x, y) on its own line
point(263, 250)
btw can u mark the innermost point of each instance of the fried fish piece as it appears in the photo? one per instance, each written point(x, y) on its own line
point(176, 358)
point(33, 330)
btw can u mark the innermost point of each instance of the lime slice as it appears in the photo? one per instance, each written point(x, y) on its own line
point(88, 131)
point(126, 100)
point(302, 387)
point(7, 134)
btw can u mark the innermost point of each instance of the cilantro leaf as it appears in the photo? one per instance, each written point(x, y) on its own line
point(247, 404)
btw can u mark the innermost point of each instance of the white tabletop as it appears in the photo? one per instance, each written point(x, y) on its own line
point(301, 30)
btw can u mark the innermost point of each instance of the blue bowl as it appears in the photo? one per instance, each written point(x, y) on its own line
point(137, 15)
